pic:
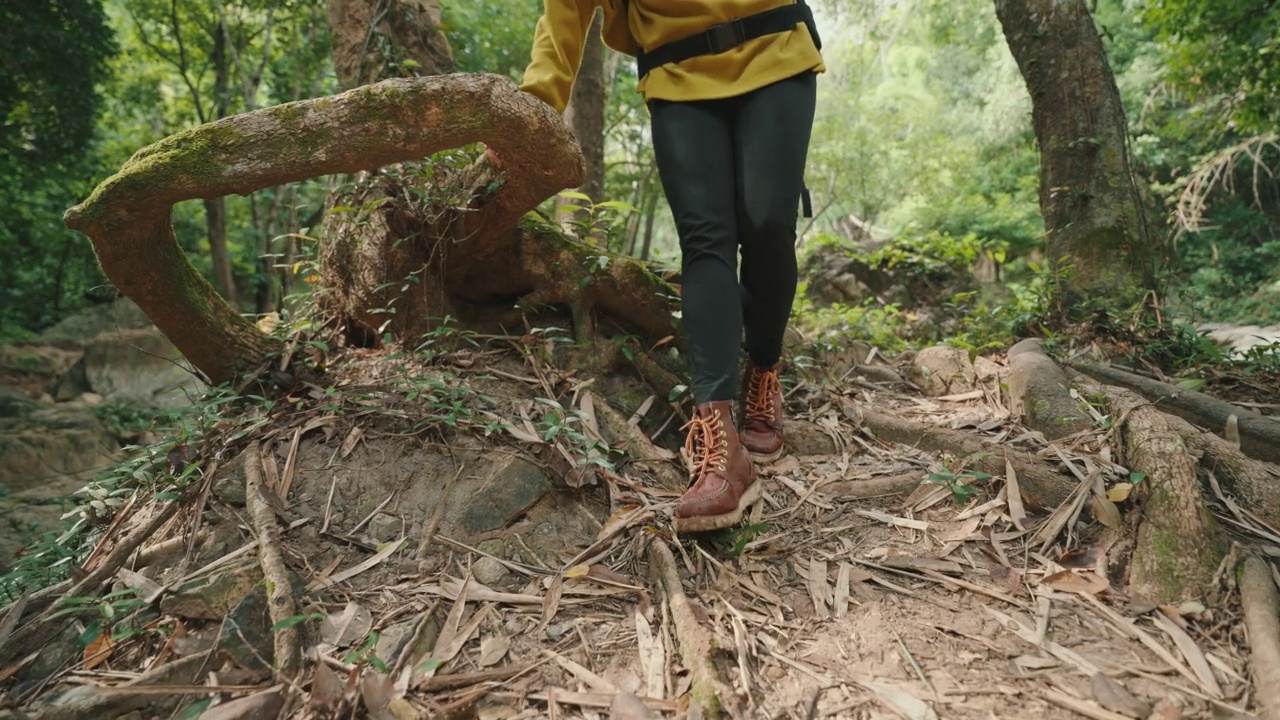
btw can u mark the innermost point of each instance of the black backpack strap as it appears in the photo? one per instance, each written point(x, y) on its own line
point(726, 36)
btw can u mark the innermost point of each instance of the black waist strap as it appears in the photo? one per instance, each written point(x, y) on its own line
point(726, 36)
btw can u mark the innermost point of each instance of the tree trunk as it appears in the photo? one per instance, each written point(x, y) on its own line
point(215, 209)
point(1090, 202)
point(586, 108)
point(128, 215)
point(378, 39)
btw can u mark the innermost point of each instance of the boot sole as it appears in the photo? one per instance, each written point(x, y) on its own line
point(720, 522)
point(770, 457)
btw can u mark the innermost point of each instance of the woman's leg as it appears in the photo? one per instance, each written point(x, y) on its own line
point(771, 135)
point(772, 129)
point(693, 145)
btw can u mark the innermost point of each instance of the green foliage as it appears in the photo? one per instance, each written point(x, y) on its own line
point(1226, 54)
point(491, 35)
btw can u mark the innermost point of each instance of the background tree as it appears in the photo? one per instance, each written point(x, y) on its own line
point(1094, 219)
point(378, 39)
point(48, 116)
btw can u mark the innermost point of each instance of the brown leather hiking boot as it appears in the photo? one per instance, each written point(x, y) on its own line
point(723, 478)
point(762, 412)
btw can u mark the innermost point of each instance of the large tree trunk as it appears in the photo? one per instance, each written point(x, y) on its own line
point(128, 216)
point(378, 39)
point(1091, 206)
point(215, 209)
point(585, 114)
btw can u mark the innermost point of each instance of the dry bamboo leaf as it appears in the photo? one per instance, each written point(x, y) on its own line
point(892, 520)
point(1085, 583)
point(267, 703)
point(1032, 662)
point(447, 651)
point(819, 590)
point(551, 602)
point(1194, 656)
point(1129, 628)
point(493, 649)
point(594, 681)
point(901, 701)
point(577, 571)
point(653, 659)
point(352, 439)
point(387, 551)
point(347, 627)
point(626, 706)
point(1082, 707)
point(519, 433)
point(1029, 635)
point(908, 562)
point(1114, 697)
point(840, 598)
point(144, 587)
point(380, 699)
point(641, 411)
point(1013, 494)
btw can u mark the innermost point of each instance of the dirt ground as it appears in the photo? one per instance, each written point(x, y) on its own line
point(459, 573)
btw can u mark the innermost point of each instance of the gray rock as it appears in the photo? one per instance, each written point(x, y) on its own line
point(385, 527)
point(245, 637)
point(73, 332)
point(139, 367)
point(513, 486)
point(229, 483)
point(215, 595)
point(489, 571)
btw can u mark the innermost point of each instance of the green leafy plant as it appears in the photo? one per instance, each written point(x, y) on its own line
point(960, 484)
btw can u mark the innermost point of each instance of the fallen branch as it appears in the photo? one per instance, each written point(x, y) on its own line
point(1262, 618)
point(707, 689)
point(280, 602)
point(1041, 486)
point(1041, 392)
point(1259, 435)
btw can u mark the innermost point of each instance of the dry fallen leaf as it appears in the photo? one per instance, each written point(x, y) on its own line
point(1008, 578)
point(326, 692)
point(576, 571)
point(1081, 559)
point(98, 651)
point(1114, 697)
point(626, 706)
point(267, 703)
point(1120, 493)
point(350, 442)
point(652, 657)
point(1105, 511)
point(493, 649)
point(1085, 583)
point(347, 627)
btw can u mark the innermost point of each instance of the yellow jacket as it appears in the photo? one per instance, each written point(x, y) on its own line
point(561, 33)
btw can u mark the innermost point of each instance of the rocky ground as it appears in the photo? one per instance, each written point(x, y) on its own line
point(432, 547)
point(69, 401)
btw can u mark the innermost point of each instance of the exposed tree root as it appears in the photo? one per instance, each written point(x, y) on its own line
point(1259, 435)
point(902, 484)
point(1262, 618)
point(1041, 393)
point(280, 601)
point(707, 689)
point(1177, 550)
point(1041, 486)
point(1255, 484)
point(639, 447)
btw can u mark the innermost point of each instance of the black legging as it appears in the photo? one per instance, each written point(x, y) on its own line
point(732, 170)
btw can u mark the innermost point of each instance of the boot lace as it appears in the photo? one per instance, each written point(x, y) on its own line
point(762, 387)
point(707, 444)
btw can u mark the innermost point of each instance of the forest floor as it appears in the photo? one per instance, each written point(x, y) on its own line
point(441, 562)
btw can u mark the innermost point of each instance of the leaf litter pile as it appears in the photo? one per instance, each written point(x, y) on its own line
point(478, 533)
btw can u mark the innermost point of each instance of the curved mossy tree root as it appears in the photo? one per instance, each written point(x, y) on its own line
point(128, 215)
